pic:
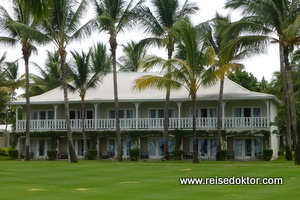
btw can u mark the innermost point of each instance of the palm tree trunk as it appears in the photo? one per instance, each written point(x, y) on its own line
point(86, 149)
point(219, 124)
point(113, 47)
point(63, 54)
point(287, 107)
point(290, 92)
point(166, 125)
point(195, 141)
point(167, 106)
point(290, 95)
point(26, 54)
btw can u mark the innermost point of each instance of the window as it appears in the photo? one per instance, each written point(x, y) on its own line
point(42, 115)
point(126, 146)
point(76, 114)
point(205, 112)
point(34, 115)
point(207, 147)
point(256, 112)
point(111, 147)
point(247, 112)
point(248, 147)
point(237, 112)
point(156, 146)
point(122, 114)
point(213, 112)
point(50, 114)
point(160, 113)
point(89, 114)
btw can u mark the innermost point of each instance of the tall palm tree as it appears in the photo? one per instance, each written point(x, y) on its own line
point(282, 17)
point(63, 26)
point(113, 16)
point(13, 26)
point(134, 53)
point(230, 48)
point(158, 25)
point(189, 70)
point(82, 80)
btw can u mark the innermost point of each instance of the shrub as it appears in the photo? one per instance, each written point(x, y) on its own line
point(177, 154)
point(3, 152)
point(267, 154)
point(13, 154)
point(52, 154)
point(135, 154)
point(93, 154)
point(222, 155)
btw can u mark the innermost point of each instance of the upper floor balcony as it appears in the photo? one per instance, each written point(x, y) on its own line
point(144, 110)
point(148, 123)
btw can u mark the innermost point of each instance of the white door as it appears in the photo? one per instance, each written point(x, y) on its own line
point(246, 148)
point(207, 148)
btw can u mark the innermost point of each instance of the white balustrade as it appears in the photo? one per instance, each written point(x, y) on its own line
point(146, 123)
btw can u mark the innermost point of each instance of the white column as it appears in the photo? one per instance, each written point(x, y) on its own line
point(17, 118)
point(137, 114)
point(96, 114)
point(179, 113)
point(55, 116)
point(223, 114)
point(268, 111)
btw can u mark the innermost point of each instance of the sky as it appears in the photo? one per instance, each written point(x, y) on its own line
point(261, 66)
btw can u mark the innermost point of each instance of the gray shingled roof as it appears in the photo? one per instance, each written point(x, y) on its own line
point(104, 92)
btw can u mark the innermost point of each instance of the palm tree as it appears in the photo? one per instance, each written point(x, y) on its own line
point(12, 78)
point(189, 70)
point(63, 26)
point(230, 48)
point(13, 25)
point(39, 8)
point(134, 53)
point(4, 90)
point(83, 79)
point(50, 75)
point(159, 25)
point(2, 59)
point(295, 63)
point(282, 17)
point(113, 16)
point(100, 59)
point(2, 77)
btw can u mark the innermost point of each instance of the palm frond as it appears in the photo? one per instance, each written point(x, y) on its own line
point(152, 61)
point(9, 41)
point(148, 22)
point(100, 59)
point(156, 82)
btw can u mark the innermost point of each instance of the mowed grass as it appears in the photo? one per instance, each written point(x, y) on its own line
point(141, 180)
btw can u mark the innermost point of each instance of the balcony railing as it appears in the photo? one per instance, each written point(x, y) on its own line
point(146, 123)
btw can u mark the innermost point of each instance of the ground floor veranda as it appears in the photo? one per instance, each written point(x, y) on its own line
point(244, 146)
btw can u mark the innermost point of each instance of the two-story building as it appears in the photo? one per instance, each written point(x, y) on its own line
point(246, 118)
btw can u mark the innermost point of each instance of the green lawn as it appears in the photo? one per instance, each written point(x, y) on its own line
point(52, 180)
